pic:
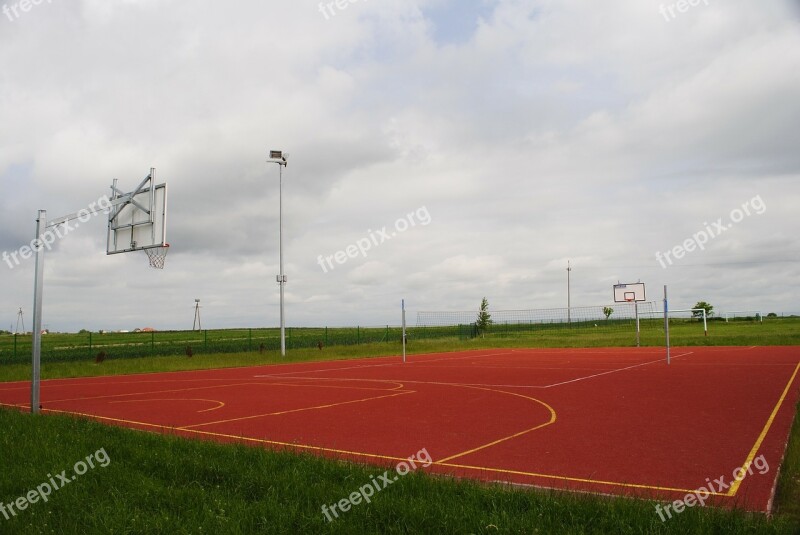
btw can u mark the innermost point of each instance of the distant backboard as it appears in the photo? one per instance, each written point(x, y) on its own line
point(628, 293)
point(138, 219)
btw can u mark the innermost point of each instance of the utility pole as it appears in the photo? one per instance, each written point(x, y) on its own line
point(196, 325)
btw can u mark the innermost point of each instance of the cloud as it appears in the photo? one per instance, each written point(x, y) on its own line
point(534, 132)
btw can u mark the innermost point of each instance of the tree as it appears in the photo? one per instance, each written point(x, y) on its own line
point(772, 315)
point(705, 306)
point(607, 311)
point(484, 318)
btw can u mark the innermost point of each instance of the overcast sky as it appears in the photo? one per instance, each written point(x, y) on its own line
point(519, 134)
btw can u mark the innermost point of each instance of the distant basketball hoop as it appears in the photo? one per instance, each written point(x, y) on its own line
point(631, 293)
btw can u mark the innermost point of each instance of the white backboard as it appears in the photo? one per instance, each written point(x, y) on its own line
point(138, 219)
point(626, 293)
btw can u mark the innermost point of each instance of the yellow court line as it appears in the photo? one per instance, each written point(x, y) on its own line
point(279, 413)
point(155, 392)
point(383, 457)
point(749, 460)
point(399, 386)
point(158, 392)
point(515, 435)
point(484, 446)
point(298, 446)
point(574, 479)
point(396, 382)
point(236, 437)
point(220, 404)
point(110, 419)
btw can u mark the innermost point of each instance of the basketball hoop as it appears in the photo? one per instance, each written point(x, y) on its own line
point(157, 255)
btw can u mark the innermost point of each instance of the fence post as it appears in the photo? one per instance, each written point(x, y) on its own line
point(358, 335)
point(15, 346)
point(205, 340)
point(250, 339)
point(326, 335)
point(90, 344)
point(152, 342)
point(387, 334)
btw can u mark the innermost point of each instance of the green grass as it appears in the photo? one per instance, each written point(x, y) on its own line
point(788, 491)
point(167, 484)
point(771, 332)
point(86, 346)
point(157, 484)
point(127, 366)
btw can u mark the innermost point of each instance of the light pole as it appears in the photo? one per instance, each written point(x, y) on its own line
point(569, 306)
point(279, 158)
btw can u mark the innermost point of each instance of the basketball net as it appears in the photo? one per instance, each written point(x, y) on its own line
point(157, 256)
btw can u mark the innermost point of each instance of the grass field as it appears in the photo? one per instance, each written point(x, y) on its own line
point(70, 347)
point(169, 484)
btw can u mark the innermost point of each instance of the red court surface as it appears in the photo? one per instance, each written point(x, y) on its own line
point(612, 421)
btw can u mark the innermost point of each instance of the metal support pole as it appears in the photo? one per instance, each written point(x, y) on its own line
point(279, 158)
point(666, 321)
point(636, 313)
point(282, 279)
point(403, 308)
point(38, 287)
point(569, 304)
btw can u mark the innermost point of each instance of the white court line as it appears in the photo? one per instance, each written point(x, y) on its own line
point(404, 381)
point(614, 371)
point(381, 365)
